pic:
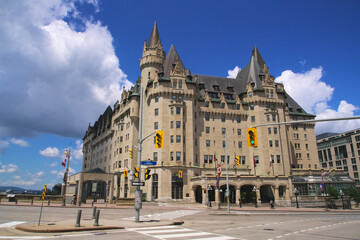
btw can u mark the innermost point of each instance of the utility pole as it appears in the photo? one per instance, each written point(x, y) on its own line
point(138, 193)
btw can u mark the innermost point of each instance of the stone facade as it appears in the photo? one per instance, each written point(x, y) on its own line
point(204, 119)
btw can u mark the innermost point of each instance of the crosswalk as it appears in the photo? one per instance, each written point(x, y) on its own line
point(165, 215)
point(174, 232)
point(11, 224)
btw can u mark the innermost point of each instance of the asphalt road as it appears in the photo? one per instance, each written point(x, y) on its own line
point(198, 224)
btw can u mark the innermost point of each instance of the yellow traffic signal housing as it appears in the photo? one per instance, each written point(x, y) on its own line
point(238, 160)
point(252, 137)
point(130, 153)
point(180, 175)
point(126, 173)
point(136, 172)
point(159, 139)
point(147, 174)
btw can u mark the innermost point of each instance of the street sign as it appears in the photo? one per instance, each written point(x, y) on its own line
point(138, 183)
point(148, 162)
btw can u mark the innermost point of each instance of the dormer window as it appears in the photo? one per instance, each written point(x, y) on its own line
point(230, 89)
point(222, 105)
point(202, 86)
point(216, 87)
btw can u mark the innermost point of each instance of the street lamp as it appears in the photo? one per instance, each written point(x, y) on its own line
point(296, 192)
point(342, 198)
point(254, 190)
point(209, 189)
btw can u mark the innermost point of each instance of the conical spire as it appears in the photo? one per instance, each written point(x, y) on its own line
point(154, 37)
point(256, 54)
point(172, 58)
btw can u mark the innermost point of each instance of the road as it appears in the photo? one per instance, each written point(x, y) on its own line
point(199, 223)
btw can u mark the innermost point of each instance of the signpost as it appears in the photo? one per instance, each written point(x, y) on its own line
point(42, 203)
point(138, 183)
point(148, 162)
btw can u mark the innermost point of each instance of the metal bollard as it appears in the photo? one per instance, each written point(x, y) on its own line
point(64, 204)
point(92, 203)
point(15, 200)
point(78, 218)
point(49, 202)
point(94, 212)
point(32, 202)
point(96, 223)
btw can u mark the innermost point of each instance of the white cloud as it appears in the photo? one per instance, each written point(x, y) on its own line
point(48, 68)
point(53, 164)
point(313, 95)
point(233, 73)
point(50, 152)
point(19, 142)
point(39, 174)
point(10, 168)
point(77, 151)
point(3, 145)
point(59, 174)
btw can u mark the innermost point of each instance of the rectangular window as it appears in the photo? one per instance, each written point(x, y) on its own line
point(272, 158)
point(223, 130)
point(172, 111)
point(171, 138)
point(207, 143)
point(210, 158)
point(205, 158)
point(156, 111)
point(155, 156)
point(239, 144)
point(224, 144)
point(207, 104)
point(276, 143)
point(157, 99)
point(156, 125)
point(178, 156)
point(222, 105)
point(268, 118)
point(252, 118)
point(238, 119)
point(207, 117)
point(178, 110)
point(207, 129)
point(174, 84)
point(270, 143)
point(269, 130)
point(223, 118)
point(222, 158)
point(171, 156)
point(178, 124)
point(278, 158)
point(239, 132)
point(172, 124)
point(274, 118)
point(237, 106)
point(251, 106)
point(180, 84)
point(178, 138)
point(275, 130)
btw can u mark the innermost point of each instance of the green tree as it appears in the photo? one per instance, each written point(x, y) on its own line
point(332, 192)
point(353, 193)
point(56, 190)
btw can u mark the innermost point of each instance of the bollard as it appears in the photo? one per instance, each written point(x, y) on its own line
point(78, 218)
point(92, 204)
point(15, 201)
point(49, 202)
point(96, 223)
point(32, 202)
point(94, 211)
point(79, 203)
point(64, 204)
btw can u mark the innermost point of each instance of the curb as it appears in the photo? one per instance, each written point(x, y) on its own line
point(32, 228)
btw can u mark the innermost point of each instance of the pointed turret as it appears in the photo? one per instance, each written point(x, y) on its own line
point(154, 39)
point(171, 60)
point(256, 54)
point(251, 74)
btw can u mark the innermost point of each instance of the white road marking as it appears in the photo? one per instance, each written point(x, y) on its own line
point(11, 224)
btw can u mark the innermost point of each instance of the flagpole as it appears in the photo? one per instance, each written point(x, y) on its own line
point(254, 163)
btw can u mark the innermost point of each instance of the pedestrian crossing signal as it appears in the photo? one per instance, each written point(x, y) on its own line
point(147, 174)
point(159, 139)
point(252, 137)
point(136, 172)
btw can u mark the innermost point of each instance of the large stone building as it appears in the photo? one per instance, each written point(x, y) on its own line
point(196, 112)
point(341, 151)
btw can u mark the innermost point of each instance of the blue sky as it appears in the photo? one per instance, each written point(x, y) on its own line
point(63, 62)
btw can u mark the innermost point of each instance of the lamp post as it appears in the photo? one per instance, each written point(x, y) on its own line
point(296, 192)
point(342, 198)
point(254, 190)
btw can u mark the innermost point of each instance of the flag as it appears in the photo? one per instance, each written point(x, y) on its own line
point(64, 162)
point(219, 169)
point(254, 162)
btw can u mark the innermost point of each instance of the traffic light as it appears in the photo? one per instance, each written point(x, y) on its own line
point(136, 172)
point(159, 139)
point(147, 174)
point(180, 174)
point(238, 160)
point(126, 173)
point(252, 137)
point(130, 153)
